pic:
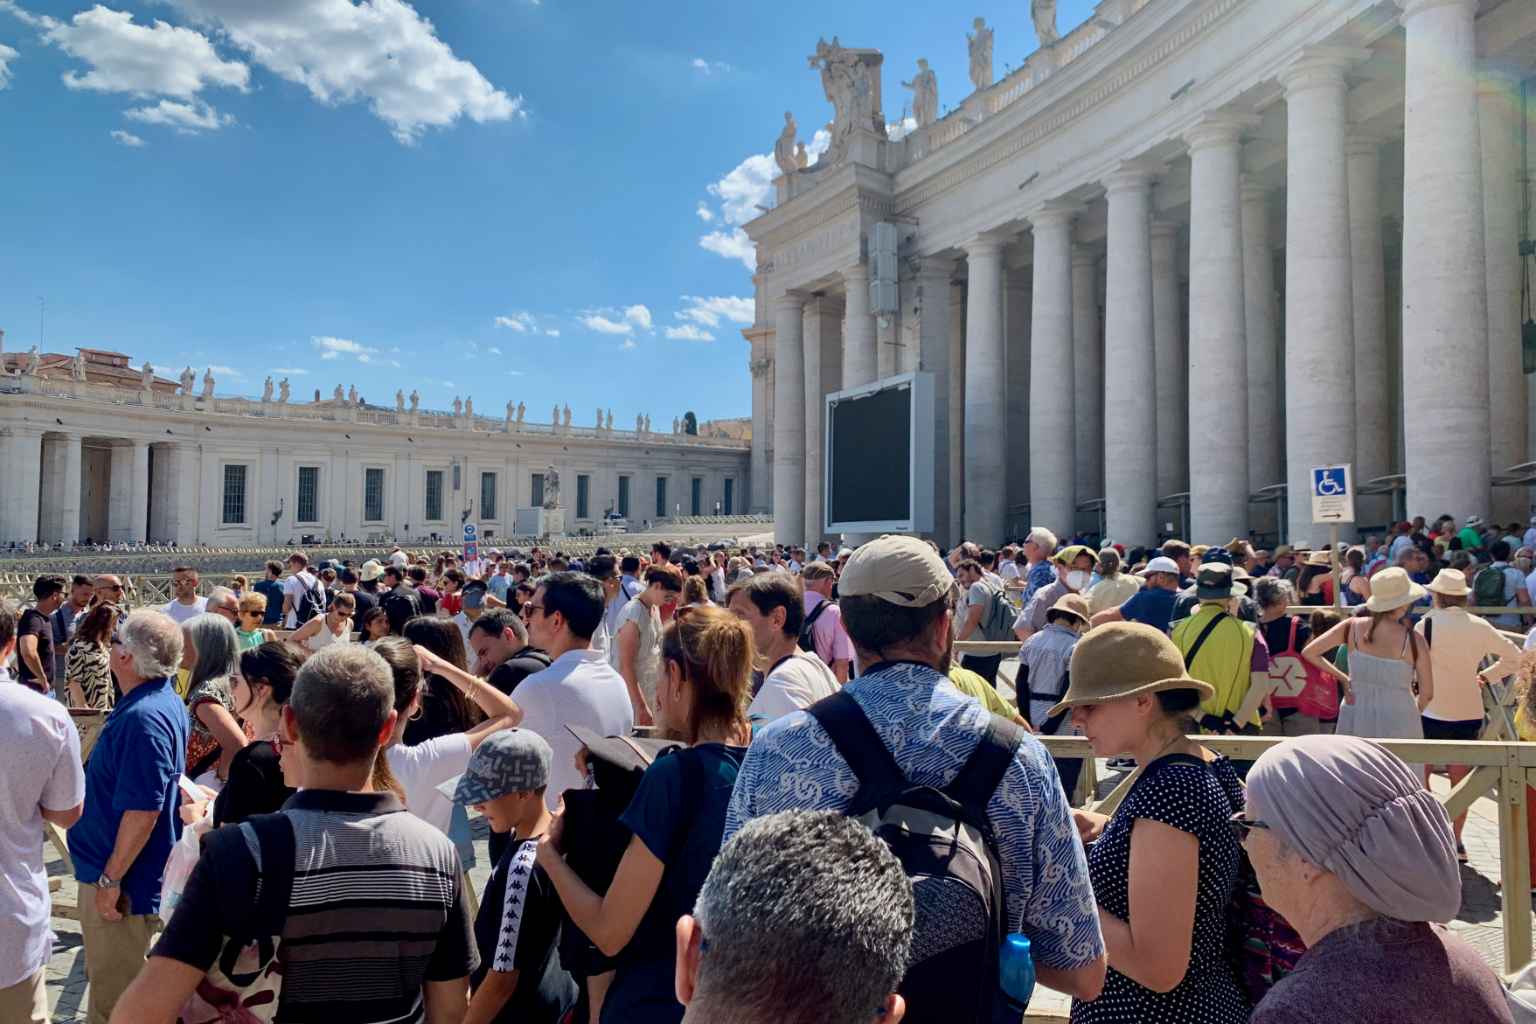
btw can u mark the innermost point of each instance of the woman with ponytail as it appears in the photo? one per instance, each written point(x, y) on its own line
point(677, 816)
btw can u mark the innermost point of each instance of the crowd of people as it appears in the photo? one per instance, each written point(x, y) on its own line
point(753, 785)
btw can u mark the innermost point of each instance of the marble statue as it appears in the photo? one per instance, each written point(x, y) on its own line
point(599, 417)
point(609, 426)
point(33, 362)
point(77, 367)
point(639, 424)
point(399, 400)
point(208, 383)
point(554, 417)
point(188, 378)
point(511, 412)
point(283, 390)
point(458, 406)
point(925, 94)
point(522, 410)
point(352, 395)
point(784, 147)
point(980, 43)
point(802, 157)
point(551, 487)
point(567, 417)
point(676, 425)
point(647, 423)
point(847, 82)
point(1044, 14)
point(415, 399)
point(338, 395)
point(146, 376)
point(469, 407)
point(266, 390)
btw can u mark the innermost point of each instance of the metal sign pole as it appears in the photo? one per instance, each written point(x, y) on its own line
point(1333, 563)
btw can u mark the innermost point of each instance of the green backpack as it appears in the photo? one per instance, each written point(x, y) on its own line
point(1488, 588)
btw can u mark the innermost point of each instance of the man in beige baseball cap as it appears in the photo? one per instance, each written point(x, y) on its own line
point(897, 599)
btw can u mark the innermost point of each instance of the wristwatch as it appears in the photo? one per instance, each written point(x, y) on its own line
point(104, 881)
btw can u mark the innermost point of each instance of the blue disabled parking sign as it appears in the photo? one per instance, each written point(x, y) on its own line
point(1333, 499)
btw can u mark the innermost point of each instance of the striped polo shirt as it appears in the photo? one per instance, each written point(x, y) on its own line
point(377, 909)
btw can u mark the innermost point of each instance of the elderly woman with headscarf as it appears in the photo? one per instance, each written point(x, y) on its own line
point(1352, 850)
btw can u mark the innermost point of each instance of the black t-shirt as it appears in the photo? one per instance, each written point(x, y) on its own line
point(364, 601)
point(518, 928)
point(255, 785)
point(515, 669)
point(35, 623)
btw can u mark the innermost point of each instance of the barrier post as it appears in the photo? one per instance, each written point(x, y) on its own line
point(1514, 864)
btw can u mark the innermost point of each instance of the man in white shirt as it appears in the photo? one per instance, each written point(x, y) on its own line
point(185, 604)
point(398, 557)
point(299, 582)
point(772, 607)
point(579, 687)
point(41, 779)
point(1007, 567)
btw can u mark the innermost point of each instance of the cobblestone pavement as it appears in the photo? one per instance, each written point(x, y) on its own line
point(1480, 921)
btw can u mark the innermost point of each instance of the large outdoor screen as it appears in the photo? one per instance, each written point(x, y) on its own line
point(874, 476)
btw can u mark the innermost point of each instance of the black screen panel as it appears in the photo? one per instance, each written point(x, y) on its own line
point(871, 457)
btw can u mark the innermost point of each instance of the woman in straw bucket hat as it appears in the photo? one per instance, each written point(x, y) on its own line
point(1390, 679)
point(1164, 866)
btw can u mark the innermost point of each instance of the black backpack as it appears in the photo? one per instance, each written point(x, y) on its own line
point(945, 843)
point(807, 637)
point(311, 602)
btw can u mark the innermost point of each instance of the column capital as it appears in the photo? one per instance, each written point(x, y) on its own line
point(790, 300)
point(935, 267)
point(1498, 78)
point(1054, 213)
point(1084, 256)
point(1319, 66)
point(1362, 144)
point(857, 272)
point(1133, 176)
point(1219, 128)
point(1412, 8)
point(986, 246)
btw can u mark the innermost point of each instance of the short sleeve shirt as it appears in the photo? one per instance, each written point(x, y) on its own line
point(1152, 606)
point(827, 632)
point(35, 623)
point(518, 929)
point(931, 729)
point(796, 682)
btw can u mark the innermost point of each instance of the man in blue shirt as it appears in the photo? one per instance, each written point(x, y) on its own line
point(897, 602)
point(122, 841)
point(1152, 604)
point(272, 589)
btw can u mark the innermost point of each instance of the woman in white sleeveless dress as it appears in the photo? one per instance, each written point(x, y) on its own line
point(333, 627)
point(1390, 680)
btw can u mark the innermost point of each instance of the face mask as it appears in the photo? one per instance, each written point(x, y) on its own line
point(1077, 579)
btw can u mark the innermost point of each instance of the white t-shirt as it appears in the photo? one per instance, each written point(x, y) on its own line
point(40, 761)
point(398, 558)
point(294, 588)
point(578, 688)
point(1008, 570)
point(182, 612)
point(424, 767)
point(796, 682)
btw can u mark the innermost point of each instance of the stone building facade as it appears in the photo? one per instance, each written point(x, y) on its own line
point(1184, 254)
point(91, 448)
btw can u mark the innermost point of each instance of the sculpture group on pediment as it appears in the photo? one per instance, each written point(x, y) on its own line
point(848, 82)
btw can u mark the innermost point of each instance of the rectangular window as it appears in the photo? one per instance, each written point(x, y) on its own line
point(583, 494)
point(373, 495)
point(538, 490)
point(234, 495)
point(661, 497)
point(434, 510)
point(696, 497)
point(309, 495)
point(487, 496)
point(730, 493)
point(624, 497)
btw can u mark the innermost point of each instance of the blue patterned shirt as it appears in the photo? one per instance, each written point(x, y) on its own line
point(1040, 575)
point(931, 728)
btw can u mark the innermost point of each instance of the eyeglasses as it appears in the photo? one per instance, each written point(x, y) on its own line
point(529, 608)
point(1242, 825)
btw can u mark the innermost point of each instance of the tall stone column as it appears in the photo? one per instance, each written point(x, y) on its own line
point(1373, 394)
point(61, 488)
point(1016, 315)
point(1087, 377)
point(1498, 114)
point(1445, 293)
point(120, 494)
point(1218, 347)
point(1130, 435)
point(860, 357)
point(1052, 463)
point(1265, 410)
point(1172, 358)
point(138, 510)
point(957, 410)
point(813, 324)
point(788, 420)
point(986, 405)
point(935, 342)
point(21, 497)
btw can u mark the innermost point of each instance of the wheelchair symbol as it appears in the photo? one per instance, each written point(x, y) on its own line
point(1329, 484)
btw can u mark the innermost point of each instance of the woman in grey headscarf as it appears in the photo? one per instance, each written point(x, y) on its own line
point(1352, 850)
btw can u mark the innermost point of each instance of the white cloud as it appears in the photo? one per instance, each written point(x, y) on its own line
point(6, 56)
point(227, 371)
point(187, 118)
point(291, 371)
point(24, 16)
point(552, 332)
point(157, 59)
point(747, 185)
point(895, 132)
point(705, 213)
point(493, 350)
point(602, 325)
point(733, 244)
point(629, 343)
point(379, 51)
point(519, 322)
point(689, 332)
point(334, 348)
point(709, 67)
point(514, 373)
point(638, 315)
point(128, 139)
point(709, 312)
point(610, 321)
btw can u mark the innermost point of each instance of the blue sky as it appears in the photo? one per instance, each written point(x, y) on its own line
point(496, 198)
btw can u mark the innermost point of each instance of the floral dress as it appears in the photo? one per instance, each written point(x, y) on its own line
point(202, 746)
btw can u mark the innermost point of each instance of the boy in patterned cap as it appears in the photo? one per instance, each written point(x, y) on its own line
point(520, 977)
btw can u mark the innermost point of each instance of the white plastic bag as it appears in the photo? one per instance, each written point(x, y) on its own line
point(183, 858)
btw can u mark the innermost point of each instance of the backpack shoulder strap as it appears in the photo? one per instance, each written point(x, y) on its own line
point(810, 619)
point(1205, 634)
point(860, 745)
point(1291, 644)
point(1429, 632)
point(983, 771)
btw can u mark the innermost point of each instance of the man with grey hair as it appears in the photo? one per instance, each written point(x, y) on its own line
point(356, 856)
point(223, 602)
point(1039, 546)
point(829, 899)
point(123, 839)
